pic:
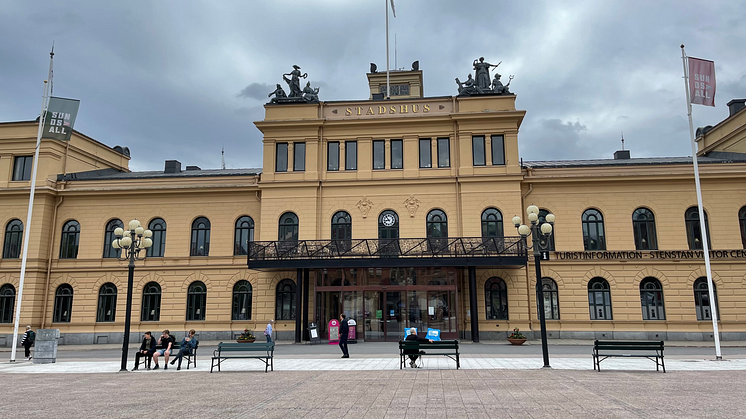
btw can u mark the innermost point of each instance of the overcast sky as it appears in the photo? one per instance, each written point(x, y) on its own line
point(180, 80)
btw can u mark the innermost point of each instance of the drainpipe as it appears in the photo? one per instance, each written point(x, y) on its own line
point(49, 262)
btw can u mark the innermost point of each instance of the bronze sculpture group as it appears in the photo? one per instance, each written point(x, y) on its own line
point(307, 94)
point(481, 83)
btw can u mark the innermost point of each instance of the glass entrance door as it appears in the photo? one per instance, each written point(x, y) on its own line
point(384, 315)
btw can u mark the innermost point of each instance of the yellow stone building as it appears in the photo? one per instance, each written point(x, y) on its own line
point(396, 212)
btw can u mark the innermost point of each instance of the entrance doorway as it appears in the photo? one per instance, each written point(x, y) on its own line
point(384, 315)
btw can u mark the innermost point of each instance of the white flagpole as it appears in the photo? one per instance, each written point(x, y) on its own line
point(388, 86)
point(702, 223)
point(27, 227)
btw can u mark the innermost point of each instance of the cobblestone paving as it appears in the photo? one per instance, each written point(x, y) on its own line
point(430, 393)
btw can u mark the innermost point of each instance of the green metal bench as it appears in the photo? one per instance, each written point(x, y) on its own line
point(447, 348)
point(261, 351)
point(652, 350)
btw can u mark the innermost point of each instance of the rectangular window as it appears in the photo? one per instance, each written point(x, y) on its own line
point(498, 150)
point(379, 154)
point(444, 152)
point(332, 156)
point(22, 169)
point(299, 157)
point(351, 155)
point(426, 153)
point(477, 150)
point(281, 157)
point(397, 154)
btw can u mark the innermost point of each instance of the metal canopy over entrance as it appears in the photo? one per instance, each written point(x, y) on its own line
point(387, 284)
point(388, 252)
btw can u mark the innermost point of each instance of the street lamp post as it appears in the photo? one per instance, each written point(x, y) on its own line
point(537, 232)
point(132, 241)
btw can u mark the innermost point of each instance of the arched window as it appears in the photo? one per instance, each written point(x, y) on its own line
point(436, 228)
point(7, 302)
point(694, 229)
point(151, 303)
point(342, 230)
point(196, 301)
point(496, 299)
point(388, 225)
point(158, 227)
point(288, 227)
point(107, 303)
point(492, 223)
point(70, 240)
point(741, 225)
point(702, 299)
point(241, 301)
point(109, 251)
point(593, 230)
point(599, 299)
point(551, 299)
point(546, 244)
point(643, 228)
point(285, 300)
point(63, 304)
point(200, 237)
point(13, 239)
point(244, 235)
point(651, 299)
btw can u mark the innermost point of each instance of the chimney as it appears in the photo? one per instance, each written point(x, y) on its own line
point(172, 166)
point(735, 105)
point(621, 155)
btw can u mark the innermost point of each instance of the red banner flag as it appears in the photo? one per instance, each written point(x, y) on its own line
point(702, 81)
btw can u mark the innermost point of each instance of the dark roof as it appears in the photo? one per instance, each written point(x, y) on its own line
point(645, 161)
point(113, 174)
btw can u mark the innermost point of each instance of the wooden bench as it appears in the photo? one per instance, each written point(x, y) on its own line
point(244, 351)
point(447, 348)
point(652, 350)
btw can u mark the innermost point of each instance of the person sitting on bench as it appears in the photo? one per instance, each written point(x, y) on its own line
point(187, 345)
point(166, 341)
point(413, 353)
point(147, 349)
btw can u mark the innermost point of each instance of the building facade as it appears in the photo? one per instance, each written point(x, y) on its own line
point(396, 212)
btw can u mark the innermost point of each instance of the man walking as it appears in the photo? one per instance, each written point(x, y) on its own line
point(28, 341)
point(268, 331)
point(344, 330)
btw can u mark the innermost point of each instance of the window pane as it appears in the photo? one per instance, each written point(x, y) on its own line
point(332, 156)
point(351, 155)
point(281, 159)
point(299, 157)
point(379, 154)
point(498, 150)
point(425, 154)
point(397, 154)
point(444, 152)
point(22, 169)
point(477, 148)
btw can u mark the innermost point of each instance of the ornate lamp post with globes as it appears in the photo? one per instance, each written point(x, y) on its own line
point(537, 232)
point(132, 241)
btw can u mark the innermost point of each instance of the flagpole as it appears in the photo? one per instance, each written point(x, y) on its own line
point(702, 220)
point(27, 227)
point(388, 86)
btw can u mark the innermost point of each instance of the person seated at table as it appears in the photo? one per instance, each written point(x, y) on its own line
point(166, 342)
point(147, 349)
point(413, 353)
point(187, 345)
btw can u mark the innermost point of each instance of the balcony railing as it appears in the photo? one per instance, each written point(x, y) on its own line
point(454, 251)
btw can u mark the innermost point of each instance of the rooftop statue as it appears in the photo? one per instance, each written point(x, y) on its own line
point(296, 95)
point(481, 84)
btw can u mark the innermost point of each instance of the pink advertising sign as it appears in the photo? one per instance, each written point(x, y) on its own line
point(333, 331)
point(702, 81)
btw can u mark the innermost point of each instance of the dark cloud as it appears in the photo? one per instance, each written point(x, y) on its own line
point(258, 91)
point(181, 82)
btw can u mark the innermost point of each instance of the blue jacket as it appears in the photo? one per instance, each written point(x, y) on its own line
point(190, 344)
